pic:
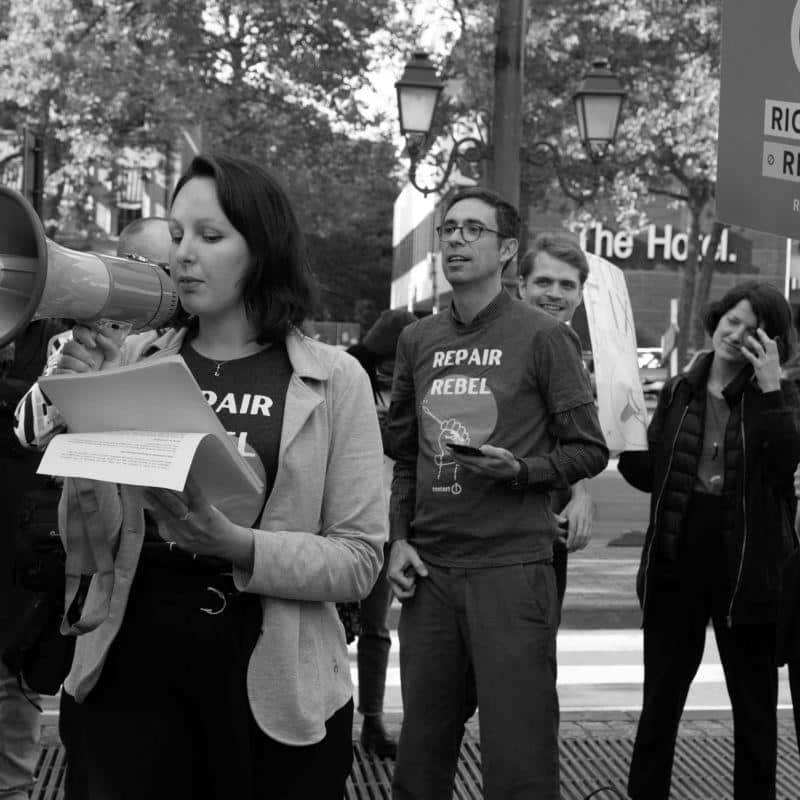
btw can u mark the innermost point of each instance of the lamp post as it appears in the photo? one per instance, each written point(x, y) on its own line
point(598, 104)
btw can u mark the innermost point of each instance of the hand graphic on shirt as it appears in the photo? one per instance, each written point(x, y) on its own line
point(451, 430)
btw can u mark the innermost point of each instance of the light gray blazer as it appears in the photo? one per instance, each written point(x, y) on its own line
point(318, 542)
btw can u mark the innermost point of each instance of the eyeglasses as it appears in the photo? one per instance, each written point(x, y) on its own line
point(470, 231)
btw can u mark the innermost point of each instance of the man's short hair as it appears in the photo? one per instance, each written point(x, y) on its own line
point(558, 244)
point(508, 221)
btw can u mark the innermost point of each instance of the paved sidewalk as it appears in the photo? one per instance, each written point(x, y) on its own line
point(595, 753)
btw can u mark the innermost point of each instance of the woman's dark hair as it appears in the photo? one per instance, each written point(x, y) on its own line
point(279, 290)
point(773, 312)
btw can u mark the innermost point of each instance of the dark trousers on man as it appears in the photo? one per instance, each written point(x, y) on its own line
point(674, 638)
point(499, 623)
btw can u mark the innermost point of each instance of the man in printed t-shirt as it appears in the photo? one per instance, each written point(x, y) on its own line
point(472, 535)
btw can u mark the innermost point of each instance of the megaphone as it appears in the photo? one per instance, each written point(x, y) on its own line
point(39, 278)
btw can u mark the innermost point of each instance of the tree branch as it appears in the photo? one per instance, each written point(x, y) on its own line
point(667, 193)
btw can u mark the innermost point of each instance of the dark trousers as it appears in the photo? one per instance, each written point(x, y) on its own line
point(71, 731)
point(170, 717)
point(374, 643)
point(500, 624)
point(674, 638)
point(560, 555)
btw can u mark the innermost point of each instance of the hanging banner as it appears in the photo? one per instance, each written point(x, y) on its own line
point(620, 399)
point(758, 152)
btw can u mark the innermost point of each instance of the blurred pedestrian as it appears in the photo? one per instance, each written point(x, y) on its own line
point(551, 277)
point(375, 352)
point(491, 408)
point(222, 669)
point(146, 239)
point(21, 363)
point(789, 619)
point(723, 446)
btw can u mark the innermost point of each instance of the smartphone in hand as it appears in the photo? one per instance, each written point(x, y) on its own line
point(464, 449)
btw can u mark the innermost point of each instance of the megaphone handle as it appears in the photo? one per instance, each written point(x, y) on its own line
point(113, 329)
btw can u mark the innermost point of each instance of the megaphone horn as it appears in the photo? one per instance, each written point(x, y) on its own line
point(39, 278)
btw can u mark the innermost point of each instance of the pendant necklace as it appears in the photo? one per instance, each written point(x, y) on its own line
point(716, 425)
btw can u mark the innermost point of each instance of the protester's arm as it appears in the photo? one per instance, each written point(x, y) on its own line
point(404, 561)
point(403, 444)
point(578, 515)
point(580, 450)
point(778, 432)
point(36, 419)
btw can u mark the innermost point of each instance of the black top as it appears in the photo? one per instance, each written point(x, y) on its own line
point(248, 395)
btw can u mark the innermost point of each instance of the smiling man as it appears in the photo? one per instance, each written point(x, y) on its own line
point(472, 531)
point(551, 276)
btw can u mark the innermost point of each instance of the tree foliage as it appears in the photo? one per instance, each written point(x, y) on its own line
point(667, 54)
point(275, 80)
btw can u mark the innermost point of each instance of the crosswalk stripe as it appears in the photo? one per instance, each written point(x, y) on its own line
point(602, 670)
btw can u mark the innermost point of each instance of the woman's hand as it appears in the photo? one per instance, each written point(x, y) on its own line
point(198, 527)
point(762, 353)
point(88, 351)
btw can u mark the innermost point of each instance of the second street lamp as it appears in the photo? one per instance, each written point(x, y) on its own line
point(598, 106)
point(598, 103)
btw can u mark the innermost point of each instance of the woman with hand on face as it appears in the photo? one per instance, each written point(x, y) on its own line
point(212, 663)
point(723, 445)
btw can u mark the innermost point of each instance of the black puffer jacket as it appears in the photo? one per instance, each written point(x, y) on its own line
point(762, 449)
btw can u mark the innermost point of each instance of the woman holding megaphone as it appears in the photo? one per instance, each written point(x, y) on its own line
point(218, 667)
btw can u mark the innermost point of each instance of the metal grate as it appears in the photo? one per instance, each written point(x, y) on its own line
point(703, 770)
point(50, 774)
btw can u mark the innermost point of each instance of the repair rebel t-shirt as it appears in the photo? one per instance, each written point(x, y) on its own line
point(248, 395)
point(501, 379)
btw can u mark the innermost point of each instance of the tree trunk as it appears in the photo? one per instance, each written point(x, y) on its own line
point(686, 301)
point(703, 287)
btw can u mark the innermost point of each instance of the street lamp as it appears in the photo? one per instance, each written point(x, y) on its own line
point(418, 94)
point(598, 106)
point(598, 103)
